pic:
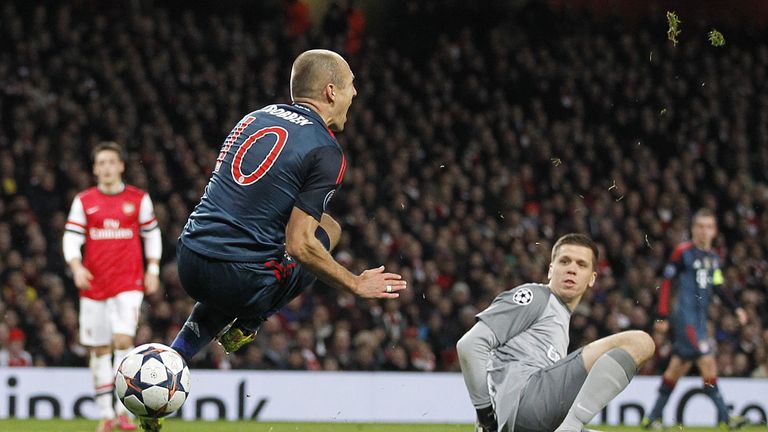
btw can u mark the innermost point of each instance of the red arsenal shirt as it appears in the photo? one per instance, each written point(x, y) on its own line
point(111, 225)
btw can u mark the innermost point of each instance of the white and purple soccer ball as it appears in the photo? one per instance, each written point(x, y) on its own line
point(152, 381)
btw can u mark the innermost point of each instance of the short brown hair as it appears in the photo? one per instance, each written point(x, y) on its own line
point(108, 145)
point(703, 212)
point(579, 240)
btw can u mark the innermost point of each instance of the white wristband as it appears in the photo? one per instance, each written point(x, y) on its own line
point(153, 269)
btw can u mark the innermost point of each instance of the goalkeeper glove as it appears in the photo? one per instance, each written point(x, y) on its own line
point(486, 420)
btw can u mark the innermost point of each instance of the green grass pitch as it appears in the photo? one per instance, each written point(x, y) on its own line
point(240, 426)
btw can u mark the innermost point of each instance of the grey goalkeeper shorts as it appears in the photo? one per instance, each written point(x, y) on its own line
point(549, 394)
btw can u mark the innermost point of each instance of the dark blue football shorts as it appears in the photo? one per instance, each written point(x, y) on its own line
point(241, 289)
point(691, 341)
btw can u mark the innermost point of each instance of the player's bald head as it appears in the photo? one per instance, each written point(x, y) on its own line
point(313, 70)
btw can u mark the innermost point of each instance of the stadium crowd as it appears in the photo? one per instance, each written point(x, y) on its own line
point(470, 152)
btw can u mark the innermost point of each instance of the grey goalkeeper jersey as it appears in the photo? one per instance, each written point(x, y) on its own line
point(531, 324)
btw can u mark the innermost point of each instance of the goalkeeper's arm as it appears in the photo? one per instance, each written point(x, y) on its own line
point(474, 349)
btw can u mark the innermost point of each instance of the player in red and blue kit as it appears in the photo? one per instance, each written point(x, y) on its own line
point(260, 233)
point(696, 270)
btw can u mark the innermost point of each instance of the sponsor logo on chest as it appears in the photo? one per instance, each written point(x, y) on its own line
point(111, 231)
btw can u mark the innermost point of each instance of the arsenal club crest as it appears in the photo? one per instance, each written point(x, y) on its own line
point(128, 208)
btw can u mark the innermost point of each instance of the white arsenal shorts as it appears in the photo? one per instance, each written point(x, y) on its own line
point(100, 319)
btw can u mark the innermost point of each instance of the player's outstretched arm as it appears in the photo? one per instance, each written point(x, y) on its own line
point(302, 245)
point(474, 350)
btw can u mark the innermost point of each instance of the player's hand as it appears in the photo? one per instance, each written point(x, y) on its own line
point(82, 276)
point(661, 326)
point(151, 283)
point(486, 420)
point(741, 314)
point(374, 283)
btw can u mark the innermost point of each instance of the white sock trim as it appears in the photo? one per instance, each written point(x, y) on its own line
point(104, 382)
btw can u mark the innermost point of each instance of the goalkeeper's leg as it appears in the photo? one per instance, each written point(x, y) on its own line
point(612, 363)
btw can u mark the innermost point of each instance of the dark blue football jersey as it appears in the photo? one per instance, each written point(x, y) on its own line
point(698, 273)
point(276, 158)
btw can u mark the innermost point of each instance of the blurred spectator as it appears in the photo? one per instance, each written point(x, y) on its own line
point(253, 358)
point(396, 359)
point(335, 21)
point(296, 360)
point(305, 341)
point(277, 351)
point(4, 339)
point(56, 353)
point(761, 358)
point(15, 355)
point(741, 366)
point(298, 17)
point(422, 358)
point(340, 349)
point(355, 28)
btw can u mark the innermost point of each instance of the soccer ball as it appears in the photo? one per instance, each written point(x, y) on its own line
point(152, 381)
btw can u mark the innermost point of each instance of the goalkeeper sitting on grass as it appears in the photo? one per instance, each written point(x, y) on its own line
point(514, 358)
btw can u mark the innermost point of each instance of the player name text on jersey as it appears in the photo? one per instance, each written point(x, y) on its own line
point(286, 115)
